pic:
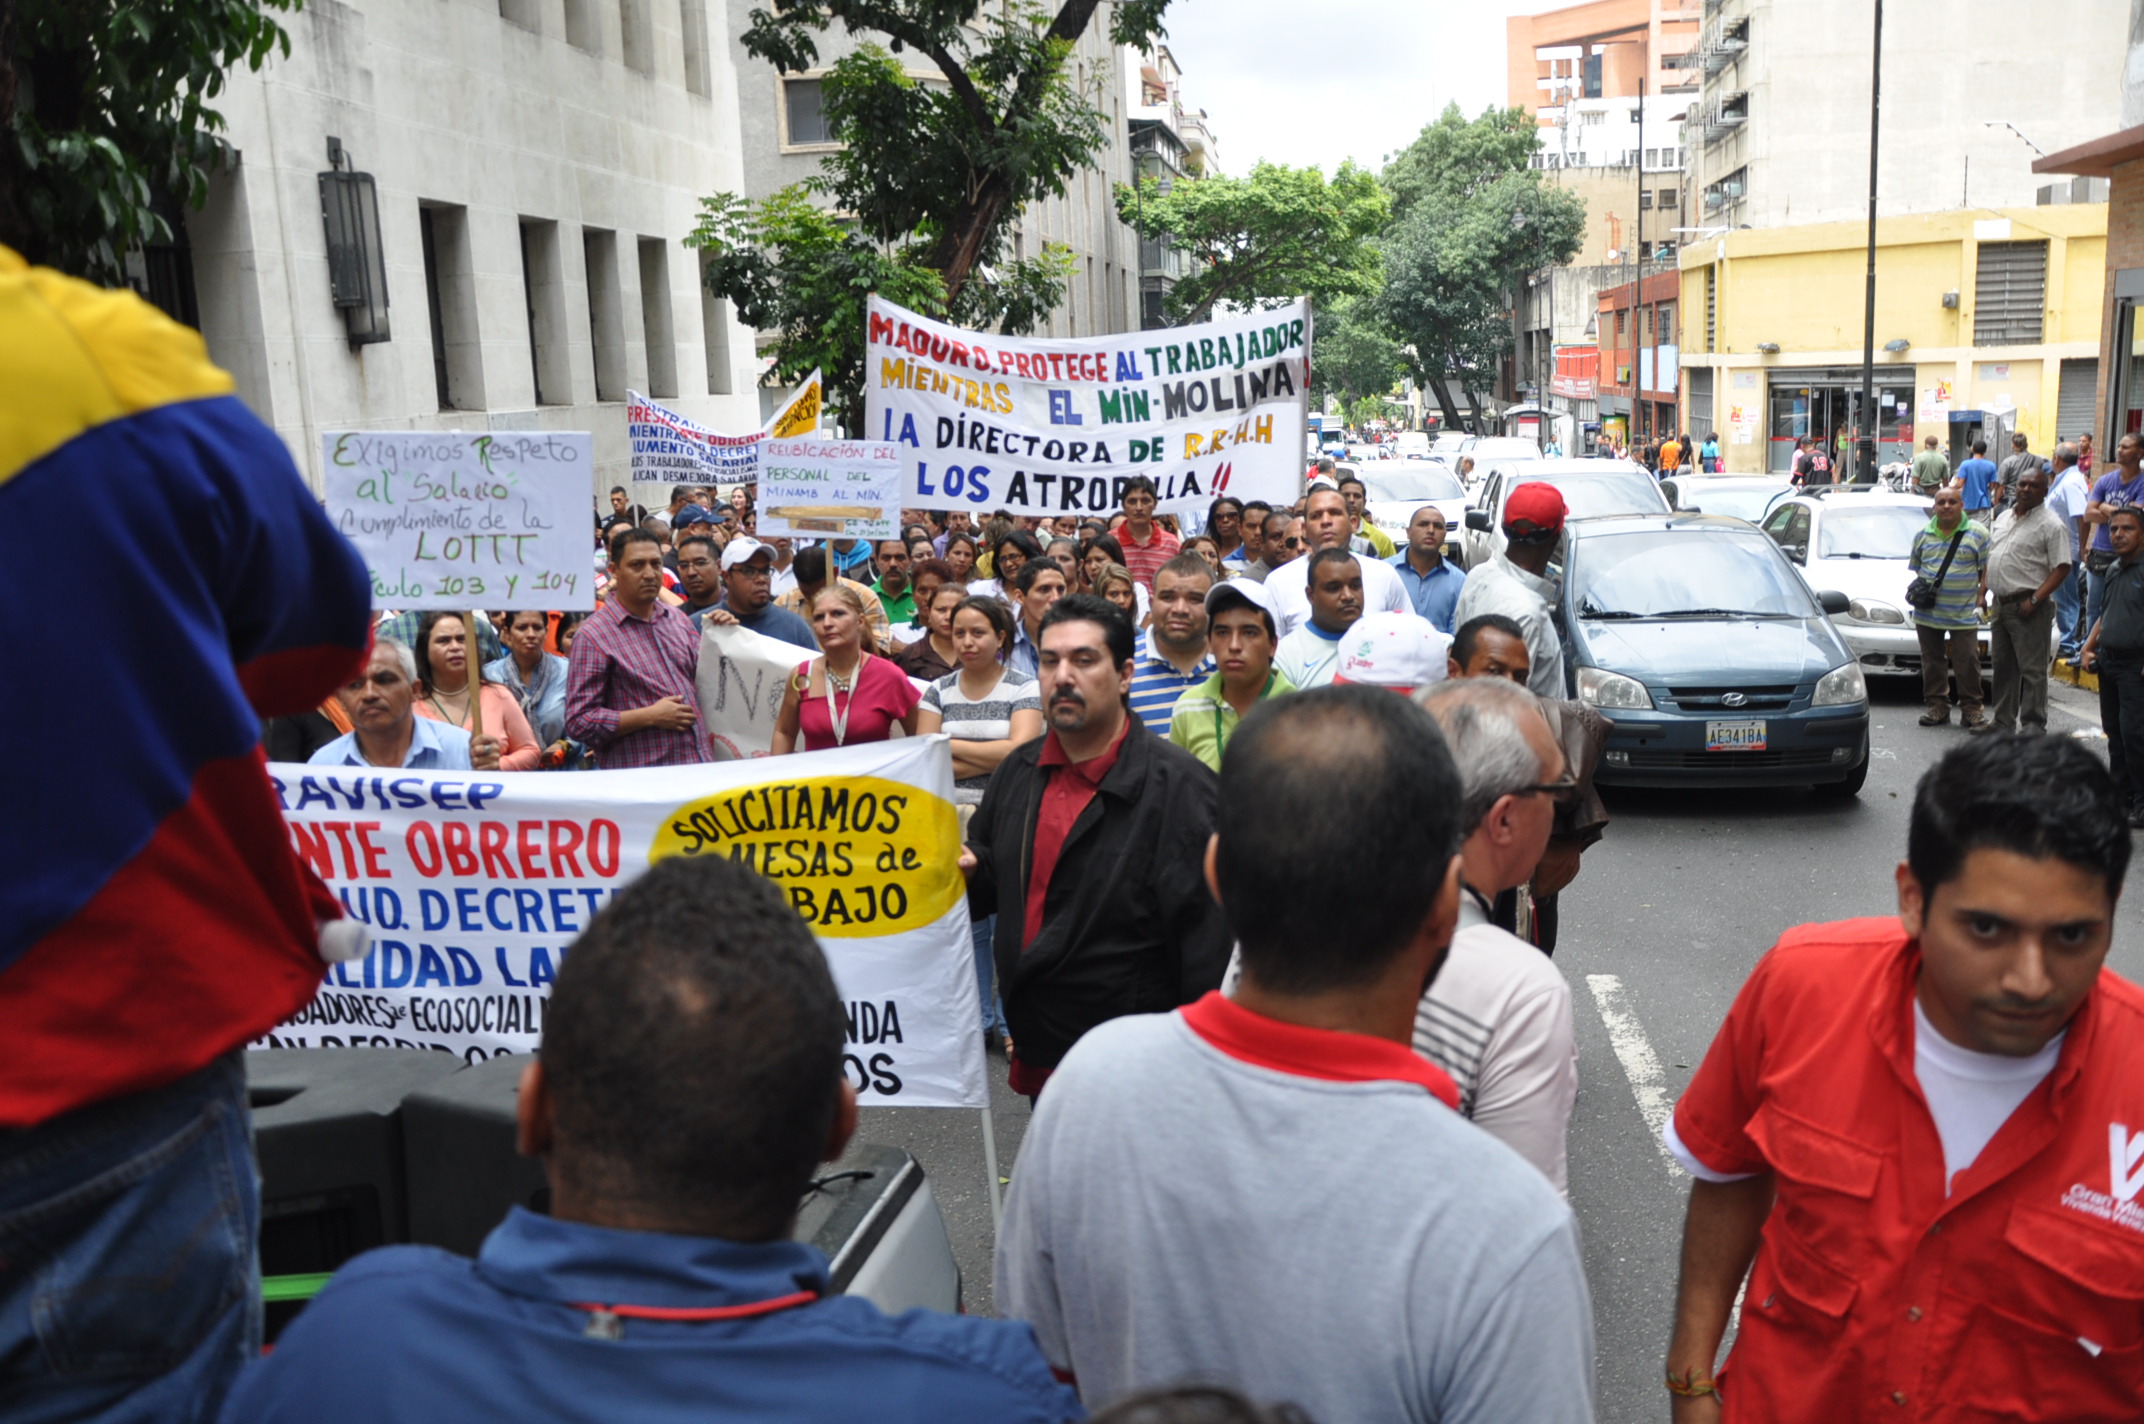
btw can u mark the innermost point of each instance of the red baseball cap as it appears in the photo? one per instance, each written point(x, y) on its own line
point(1533, 509)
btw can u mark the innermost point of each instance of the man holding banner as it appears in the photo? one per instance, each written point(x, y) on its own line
point(629, 683)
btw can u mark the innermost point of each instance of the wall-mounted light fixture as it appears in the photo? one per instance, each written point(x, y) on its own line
point(1896, 345)
point(357, 264)
point(1769, 348)
point(1950, 300)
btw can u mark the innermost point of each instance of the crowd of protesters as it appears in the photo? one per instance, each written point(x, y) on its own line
point(1262, 858)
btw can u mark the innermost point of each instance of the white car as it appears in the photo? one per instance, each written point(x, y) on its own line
point(1591, 488)
point(1858, 544)
point(1394, 490)
point(1499, 449)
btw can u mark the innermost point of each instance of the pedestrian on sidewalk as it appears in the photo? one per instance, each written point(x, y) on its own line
point(2028, 559)
point(1914, 1135)
point(1951, 554)
point(2068, 494)
point(2115, 651)
point(1931, 471)
point(2014, 468)
point(2124, 484)
point(1976, 481)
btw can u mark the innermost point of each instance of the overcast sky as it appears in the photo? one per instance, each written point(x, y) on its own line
point(1298, 84)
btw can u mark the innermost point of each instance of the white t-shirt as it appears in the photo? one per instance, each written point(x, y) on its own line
point(2068, 500)
point(1382, 591)
point(1970, 1095)
point(1497, 1018)
point(1308, 657)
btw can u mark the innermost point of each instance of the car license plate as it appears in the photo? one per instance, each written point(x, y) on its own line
point(1734, 736)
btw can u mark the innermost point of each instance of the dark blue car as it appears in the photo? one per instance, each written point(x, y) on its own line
point(1712, 660)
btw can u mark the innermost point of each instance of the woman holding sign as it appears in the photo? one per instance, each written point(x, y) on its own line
point(845, 695)
point(508, 743)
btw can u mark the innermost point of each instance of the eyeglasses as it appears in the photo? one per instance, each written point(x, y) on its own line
point(1561, 792)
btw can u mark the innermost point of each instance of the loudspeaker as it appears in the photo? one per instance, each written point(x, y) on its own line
point(462, 1170)
point(328, 1137)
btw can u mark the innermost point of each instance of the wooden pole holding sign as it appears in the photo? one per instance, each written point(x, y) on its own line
point(476, 676)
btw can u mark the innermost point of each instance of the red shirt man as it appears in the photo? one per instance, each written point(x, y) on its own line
point(1929, 1132)
point(1146, 544)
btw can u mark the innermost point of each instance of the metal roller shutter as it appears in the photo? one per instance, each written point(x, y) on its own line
point(2074, 405)
point(2010, 293)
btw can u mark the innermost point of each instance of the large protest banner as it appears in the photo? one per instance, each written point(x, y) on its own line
point(475, 885)
point(668, 449)
point(740, 680)
point(1041, 426)
point(842, 489)
point(449, 519)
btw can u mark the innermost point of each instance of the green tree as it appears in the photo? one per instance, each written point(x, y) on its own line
point(105, 116)
point(1352, 355)
point(1278, 234)
point(951, 163)
point(1473, 219)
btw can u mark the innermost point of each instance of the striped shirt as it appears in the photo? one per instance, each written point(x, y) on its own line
point(621, 662)
point(986, 720)
point(1156, 684)
point(1145, 560)
point(1957, 602)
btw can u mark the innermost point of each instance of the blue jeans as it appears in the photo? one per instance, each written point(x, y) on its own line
point(2068, 608)
point(129, 1278)
point(985, 930)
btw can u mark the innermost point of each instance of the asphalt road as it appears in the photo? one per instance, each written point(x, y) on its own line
point(1662, 926)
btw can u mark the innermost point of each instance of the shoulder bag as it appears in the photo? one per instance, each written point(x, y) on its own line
point(1923, 591)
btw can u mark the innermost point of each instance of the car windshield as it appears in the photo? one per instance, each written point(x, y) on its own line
point(1420, 482)
point(1745, 502)
point(1675, 574)
point(1885, 532)
point(1587, 496)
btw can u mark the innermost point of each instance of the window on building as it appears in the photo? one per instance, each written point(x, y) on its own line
point(1592, 116)
point(606, 314)
point(805, 112)
point(697, 60)
point(450, 301)
point(637, 29)
point(715, 336)
point(1664, 321)
point(584, 25)
point(526, 13)
point(543, 286)
point(1645, 200)
point(1668, 198)
point(1712, 308)
point(655, 326)
point(1620, 314)
point(2010, 293)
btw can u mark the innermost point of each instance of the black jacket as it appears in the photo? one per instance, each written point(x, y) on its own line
point(1128, 926)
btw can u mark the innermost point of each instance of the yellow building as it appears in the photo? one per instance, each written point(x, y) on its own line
point(1987, 321)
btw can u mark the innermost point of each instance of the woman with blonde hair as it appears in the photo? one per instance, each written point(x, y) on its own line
point(846, 695)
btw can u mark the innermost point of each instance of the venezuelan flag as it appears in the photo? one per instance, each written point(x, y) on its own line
point(167, 580)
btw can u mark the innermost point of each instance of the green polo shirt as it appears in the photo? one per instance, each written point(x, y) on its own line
point(898, 610)
point(1203, 721)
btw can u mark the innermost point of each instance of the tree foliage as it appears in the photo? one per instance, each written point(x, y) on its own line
point(1275, 235)
point(1473, 220)
point(105, 115)
point(1353, 355)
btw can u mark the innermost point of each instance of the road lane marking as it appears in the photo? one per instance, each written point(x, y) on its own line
point(1648, 1084)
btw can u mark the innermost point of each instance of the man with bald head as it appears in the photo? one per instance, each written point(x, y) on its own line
point(1327, 524)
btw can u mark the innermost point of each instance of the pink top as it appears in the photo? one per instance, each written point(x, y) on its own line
point(883, 696)
point(505, 722)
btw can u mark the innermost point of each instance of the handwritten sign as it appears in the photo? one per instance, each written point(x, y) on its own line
point(447, 519)
point(740, 681)
point(838, 488)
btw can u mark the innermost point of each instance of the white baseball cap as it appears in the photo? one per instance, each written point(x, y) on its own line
point(1397, 650)
point(742, 548)
point(1249, 590)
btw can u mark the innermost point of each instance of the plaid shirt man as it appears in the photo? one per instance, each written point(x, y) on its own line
point(621, 662)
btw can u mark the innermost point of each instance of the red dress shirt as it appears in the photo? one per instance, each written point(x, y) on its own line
point(2018, 1297)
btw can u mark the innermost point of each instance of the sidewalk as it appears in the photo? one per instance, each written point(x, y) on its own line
point(2064, 671)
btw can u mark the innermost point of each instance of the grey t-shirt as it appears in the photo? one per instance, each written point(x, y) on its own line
point(1354, 1247)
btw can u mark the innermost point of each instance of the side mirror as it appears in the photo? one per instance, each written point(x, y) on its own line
point(1688, 509)
point(1832, 601)
point(1478, 520)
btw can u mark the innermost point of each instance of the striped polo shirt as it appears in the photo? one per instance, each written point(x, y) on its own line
point(1156, 684)
point(1957, 603)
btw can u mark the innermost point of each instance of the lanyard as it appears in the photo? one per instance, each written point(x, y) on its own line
point(605, 1321)
point(1220, 739)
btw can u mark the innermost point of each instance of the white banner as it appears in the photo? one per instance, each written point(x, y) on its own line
point(670, 450)
point(740, 682)
point(830, 489)
point(446, 519)
point(475, 886)
point(1041, 426)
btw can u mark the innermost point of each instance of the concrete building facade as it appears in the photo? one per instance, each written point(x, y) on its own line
point(513, 261)
point(1601, 49)
point(1986, 322)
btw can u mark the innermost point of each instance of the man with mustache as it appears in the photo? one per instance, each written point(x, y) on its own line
point(1089, 847)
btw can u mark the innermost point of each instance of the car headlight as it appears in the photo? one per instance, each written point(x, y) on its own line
point(1869, 610)
point(1598, 687)
point(1840, 686)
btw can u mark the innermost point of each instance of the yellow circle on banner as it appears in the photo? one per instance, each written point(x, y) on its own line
point(857, 856)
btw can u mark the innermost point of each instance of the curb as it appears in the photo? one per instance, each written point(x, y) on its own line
point(2064, 671)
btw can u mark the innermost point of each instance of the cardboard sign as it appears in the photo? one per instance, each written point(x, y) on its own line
point(834, 489)
point(1040, 426)
point(475, 885)
point(450, 519)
